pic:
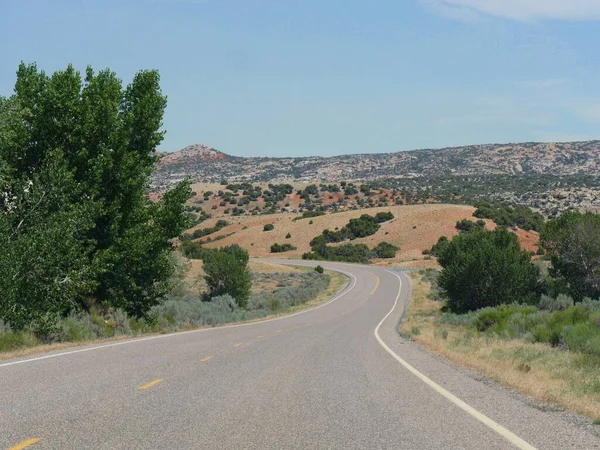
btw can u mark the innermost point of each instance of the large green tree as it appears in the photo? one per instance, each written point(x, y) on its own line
point(573, 243)
point(76, 154)
point(486, 268)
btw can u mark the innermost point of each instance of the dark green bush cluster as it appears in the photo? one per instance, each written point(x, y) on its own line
point(197, 234)
point(192, 250)
point(486, 268)
point(269, 227)
point(385, 250)
point(356, 253)
point(363, 226)
point(280, 248)
point(308, 215)
point(510, 216)
point(467, 225)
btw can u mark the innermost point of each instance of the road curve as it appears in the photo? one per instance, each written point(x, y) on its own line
point(337, 376)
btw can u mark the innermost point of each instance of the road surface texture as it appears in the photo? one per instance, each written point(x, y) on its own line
point(327, 378)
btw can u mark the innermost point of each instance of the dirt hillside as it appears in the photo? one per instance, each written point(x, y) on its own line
point(413, 229)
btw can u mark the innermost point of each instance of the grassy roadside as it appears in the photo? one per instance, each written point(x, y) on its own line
point(25, 343)
point(563, 379)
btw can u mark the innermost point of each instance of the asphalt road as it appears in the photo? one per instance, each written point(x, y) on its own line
point(335, 377)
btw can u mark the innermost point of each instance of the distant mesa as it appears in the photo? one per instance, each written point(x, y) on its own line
point(201, 163)
point(198, 152)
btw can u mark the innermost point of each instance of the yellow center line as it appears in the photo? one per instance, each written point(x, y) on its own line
point(26, 443)
point(259, 337)
point(149, 385)
point(237, 345)
point(208, 358)
point(376, 284)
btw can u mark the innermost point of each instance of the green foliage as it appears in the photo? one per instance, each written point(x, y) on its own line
point(76, 154)
point(227, 273)
point(319, 269)
point(508, 216)
point(381, 217)
point(467, 225)
point(280, 248)
point(357, 253)
point(385, 250)
point(288, 236)
point(193, 250)
point(308, 215)
point(197, 234)
point(269, 227)
point(486, 268)
point(573, 243)
point(363, 226)
point(438, 247)
point(574, 328)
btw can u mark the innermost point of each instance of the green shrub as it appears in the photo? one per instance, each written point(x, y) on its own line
point(560, 303)
point(467, 225)
point(319, 269)
point(385, 250)
point(573, 243)
point(486, 268)
point(269, 227)
point(280, 248)
point(288, 236)
point(192, 250)
point(509, 216)
point(227, 273)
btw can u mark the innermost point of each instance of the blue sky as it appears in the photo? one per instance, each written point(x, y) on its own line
point(325, 77)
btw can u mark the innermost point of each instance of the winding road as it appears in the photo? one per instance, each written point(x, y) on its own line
point(334, 377)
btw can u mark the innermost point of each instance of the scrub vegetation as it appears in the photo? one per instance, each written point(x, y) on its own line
point(361, 227)
point(533, 325)
point(275, 290)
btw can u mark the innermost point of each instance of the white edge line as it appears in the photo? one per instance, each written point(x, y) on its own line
point(202, 330)
point(506, 434)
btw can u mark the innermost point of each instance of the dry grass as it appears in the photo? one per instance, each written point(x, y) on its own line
point(550, 375)
point(45, 348)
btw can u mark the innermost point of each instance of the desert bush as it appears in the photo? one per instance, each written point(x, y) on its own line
point(385, 250)
point(486, 268)
point(560, 303)
point(280, 248)
point(467, 225)
point(268, 227)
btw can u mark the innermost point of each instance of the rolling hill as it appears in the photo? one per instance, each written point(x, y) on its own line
point(204, 164)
